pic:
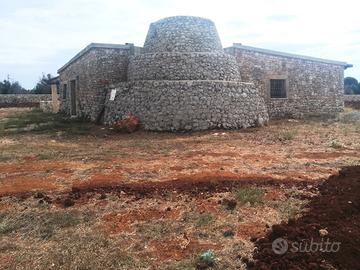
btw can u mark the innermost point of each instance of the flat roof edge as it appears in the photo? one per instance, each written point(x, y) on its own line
point(95, 45)
point(291, 55)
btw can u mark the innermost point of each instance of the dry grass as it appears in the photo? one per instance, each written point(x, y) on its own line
point(168, 231)
point(251, 195)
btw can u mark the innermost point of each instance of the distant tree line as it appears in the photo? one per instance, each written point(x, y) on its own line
point(351, 86)
point(43, 86)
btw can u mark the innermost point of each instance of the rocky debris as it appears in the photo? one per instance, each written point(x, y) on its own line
point(129, 124)
point(323, 232)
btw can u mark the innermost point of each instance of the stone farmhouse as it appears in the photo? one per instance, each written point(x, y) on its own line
point(182, 79)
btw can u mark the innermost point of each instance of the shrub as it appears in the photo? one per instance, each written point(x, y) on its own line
point(287, 135)
point(250, 195)
point(199, 219)
point(336, 145)
point(205, 260)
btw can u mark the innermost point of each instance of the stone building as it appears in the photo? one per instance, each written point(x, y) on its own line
point(183, 79)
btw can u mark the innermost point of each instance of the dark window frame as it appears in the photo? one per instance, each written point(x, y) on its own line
point(64, 94)
point(278, 88)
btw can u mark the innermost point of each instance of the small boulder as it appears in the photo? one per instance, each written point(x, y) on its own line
point(323, 232)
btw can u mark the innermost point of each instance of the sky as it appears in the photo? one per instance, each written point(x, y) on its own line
point(40, 36)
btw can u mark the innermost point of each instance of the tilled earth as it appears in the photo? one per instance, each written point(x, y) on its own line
point(95, 199)
point(332, 217)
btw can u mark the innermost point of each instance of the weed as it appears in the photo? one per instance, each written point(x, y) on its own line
point(288, 135)
point(38, 121)
point(46, 156)
point(153, 229)
point(289, 208)
point(336, 145)
point(206, 260)
point(199, 219)
point(79, 250)
point(186, 264)
point(38, 224)
point(228, 233)
point(7, 246)
point(250, 195)
point(229, 204)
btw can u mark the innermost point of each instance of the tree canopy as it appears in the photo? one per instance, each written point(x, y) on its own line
point(11, 87)
point(351, 86)
point(43, 86)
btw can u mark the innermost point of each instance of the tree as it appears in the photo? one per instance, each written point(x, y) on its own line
point(43, 86)
point(11, 87)
point(351, 86)
point(5, 87)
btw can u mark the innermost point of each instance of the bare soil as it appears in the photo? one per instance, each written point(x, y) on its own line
point(92, 198)
point(337, 210)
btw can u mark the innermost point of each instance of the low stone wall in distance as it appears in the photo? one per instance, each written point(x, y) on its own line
point(352, 101)
point(22, 100)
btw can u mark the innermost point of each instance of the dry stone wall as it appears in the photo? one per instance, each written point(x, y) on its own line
point(352, 101)
point(183, 66)
point(22, 100)
point(185, 81)
point(92, 73)
point(188, 105)
point(313, 88)
point(182, 34)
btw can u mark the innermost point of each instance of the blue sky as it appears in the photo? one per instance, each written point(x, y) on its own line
point(40, 36)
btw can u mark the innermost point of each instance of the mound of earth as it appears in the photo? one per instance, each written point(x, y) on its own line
point(326, 236)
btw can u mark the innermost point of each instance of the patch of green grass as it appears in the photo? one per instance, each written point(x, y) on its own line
point(153, 229)
point(186, 264)
point(250, 195)
point(40, 122)
point(198, 219)
point(46, 156)
point(39, 224)
point(290, 208)
point(287, 135)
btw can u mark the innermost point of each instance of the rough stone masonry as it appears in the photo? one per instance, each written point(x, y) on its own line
point(182, 79)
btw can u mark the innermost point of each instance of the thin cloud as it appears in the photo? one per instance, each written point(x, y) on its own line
point(42, 35)
point(281, 18)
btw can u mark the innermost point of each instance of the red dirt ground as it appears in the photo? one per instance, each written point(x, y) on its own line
point(178, 248)
point(121, 222)
point(123, 185)
point(336, 209)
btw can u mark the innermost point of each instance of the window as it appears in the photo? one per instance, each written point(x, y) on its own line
point(64, 91)
point(277, 89)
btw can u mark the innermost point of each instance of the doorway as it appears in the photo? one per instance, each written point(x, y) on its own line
point(73, 97)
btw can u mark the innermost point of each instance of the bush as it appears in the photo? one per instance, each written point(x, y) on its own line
point(287, 135)
point(205, 260)
point(250, 195)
